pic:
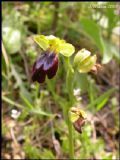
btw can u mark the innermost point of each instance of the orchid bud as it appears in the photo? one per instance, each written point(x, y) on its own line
point(83, 61)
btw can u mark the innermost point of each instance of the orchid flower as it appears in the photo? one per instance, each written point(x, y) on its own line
point(47, 63)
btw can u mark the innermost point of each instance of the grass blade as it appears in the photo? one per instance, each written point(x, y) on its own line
point(102, 98)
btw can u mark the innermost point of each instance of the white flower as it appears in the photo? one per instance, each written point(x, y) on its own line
point(15, 114)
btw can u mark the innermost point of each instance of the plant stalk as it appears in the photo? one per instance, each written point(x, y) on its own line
point(69, 85)
point(71, 142)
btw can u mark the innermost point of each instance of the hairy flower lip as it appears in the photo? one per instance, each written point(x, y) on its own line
point(46, 64)
point(53, 69)
point(78, 124)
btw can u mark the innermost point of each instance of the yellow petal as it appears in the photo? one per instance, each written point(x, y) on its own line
point(42, 41)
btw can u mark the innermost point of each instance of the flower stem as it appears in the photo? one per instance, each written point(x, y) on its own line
point(71, 142)
point(69, 86)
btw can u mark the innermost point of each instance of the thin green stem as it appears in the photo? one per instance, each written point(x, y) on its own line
point(71, 142)
point(66, 105)
point(69, 81)
point(69, 85)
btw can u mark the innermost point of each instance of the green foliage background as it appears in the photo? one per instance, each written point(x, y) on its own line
point(83, 25)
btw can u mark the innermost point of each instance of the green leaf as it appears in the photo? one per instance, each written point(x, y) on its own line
point(93, 31)
point(6, 99)
point(112, 18)
point(26, 101)
point(100, 99)
point(19, 83)
point(107, 55)
point(32, 108)
point(66, 49)
point(38, 111)
point(42, 41)
point(102, 104)
point(116, 53)
point(110, 51)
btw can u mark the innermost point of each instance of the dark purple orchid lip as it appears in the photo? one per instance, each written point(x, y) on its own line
point(78, 124)
point(47, 64)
